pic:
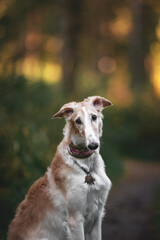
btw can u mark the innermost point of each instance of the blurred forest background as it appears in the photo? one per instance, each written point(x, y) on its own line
point(55, 51)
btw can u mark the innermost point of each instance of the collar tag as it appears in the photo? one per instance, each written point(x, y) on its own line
point(89, 179)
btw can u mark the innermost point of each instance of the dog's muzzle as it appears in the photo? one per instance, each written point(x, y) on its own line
point(80, 152)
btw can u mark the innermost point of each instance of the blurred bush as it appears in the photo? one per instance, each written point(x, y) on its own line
point(28, 138)
point(134, 131)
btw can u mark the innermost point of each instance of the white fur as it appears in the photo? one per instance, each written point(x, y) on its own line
point(90, 135)
point(78, 214)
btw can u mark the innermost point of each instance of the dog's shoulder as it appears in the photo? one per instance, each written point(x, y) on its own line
point(58, 172)
point(31, 210)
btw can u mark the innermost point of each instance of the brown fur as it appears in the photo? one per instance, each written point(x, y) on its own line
point(31, 210)
point(57, 166)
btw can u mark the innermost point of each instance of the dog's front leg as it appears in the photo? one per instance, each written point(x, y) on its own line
point(76, 228)
point(96, 232)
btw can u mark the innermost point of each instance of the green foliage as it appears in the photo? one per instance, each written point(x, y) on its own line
point(28, 138)
point(134, 131)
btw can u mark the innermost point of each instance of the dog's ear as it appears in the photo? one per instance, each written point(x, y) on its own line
point(99, 102)
point(65, 111)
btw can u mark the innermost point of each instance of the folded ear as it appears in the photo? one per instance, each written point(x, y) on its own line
point(65, 111)
point(99, 102)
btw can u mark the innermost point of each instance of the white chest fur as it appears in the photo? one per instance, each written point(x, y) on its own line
point(89, 198)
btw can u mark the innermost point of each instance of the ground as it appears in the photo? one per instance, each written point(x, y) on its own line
point(129, 210)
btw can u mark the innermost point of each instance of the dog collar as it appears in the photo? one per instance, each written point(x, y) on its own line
point(79, 152)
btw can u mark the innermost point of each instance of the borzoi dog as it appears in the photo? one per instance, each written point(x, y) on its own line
point(68, 201)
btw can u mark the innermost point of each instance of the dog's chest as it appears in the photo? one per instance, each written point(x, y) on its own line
point(90, 198)
point(97, 193)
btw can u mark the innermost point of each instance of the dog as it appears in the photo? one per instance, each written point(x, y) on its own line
point(68, 201)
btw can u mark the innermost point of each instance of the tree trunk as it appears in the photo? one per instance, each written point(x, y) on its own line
point(136, 48)
point(72, 24)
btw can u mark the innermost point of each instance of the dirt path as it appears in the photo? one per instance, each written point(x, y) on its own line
point(129, 203)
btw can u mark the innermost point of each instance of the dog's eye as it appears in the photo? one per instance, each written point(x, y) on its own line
point(94, 117)
point(78, 121)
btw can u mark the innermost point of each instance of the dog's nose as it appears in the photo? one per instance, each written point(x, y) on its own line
point(93, 146)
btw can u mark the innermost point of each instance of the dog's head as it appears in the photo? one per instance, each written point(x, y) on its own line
point(84, 121)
